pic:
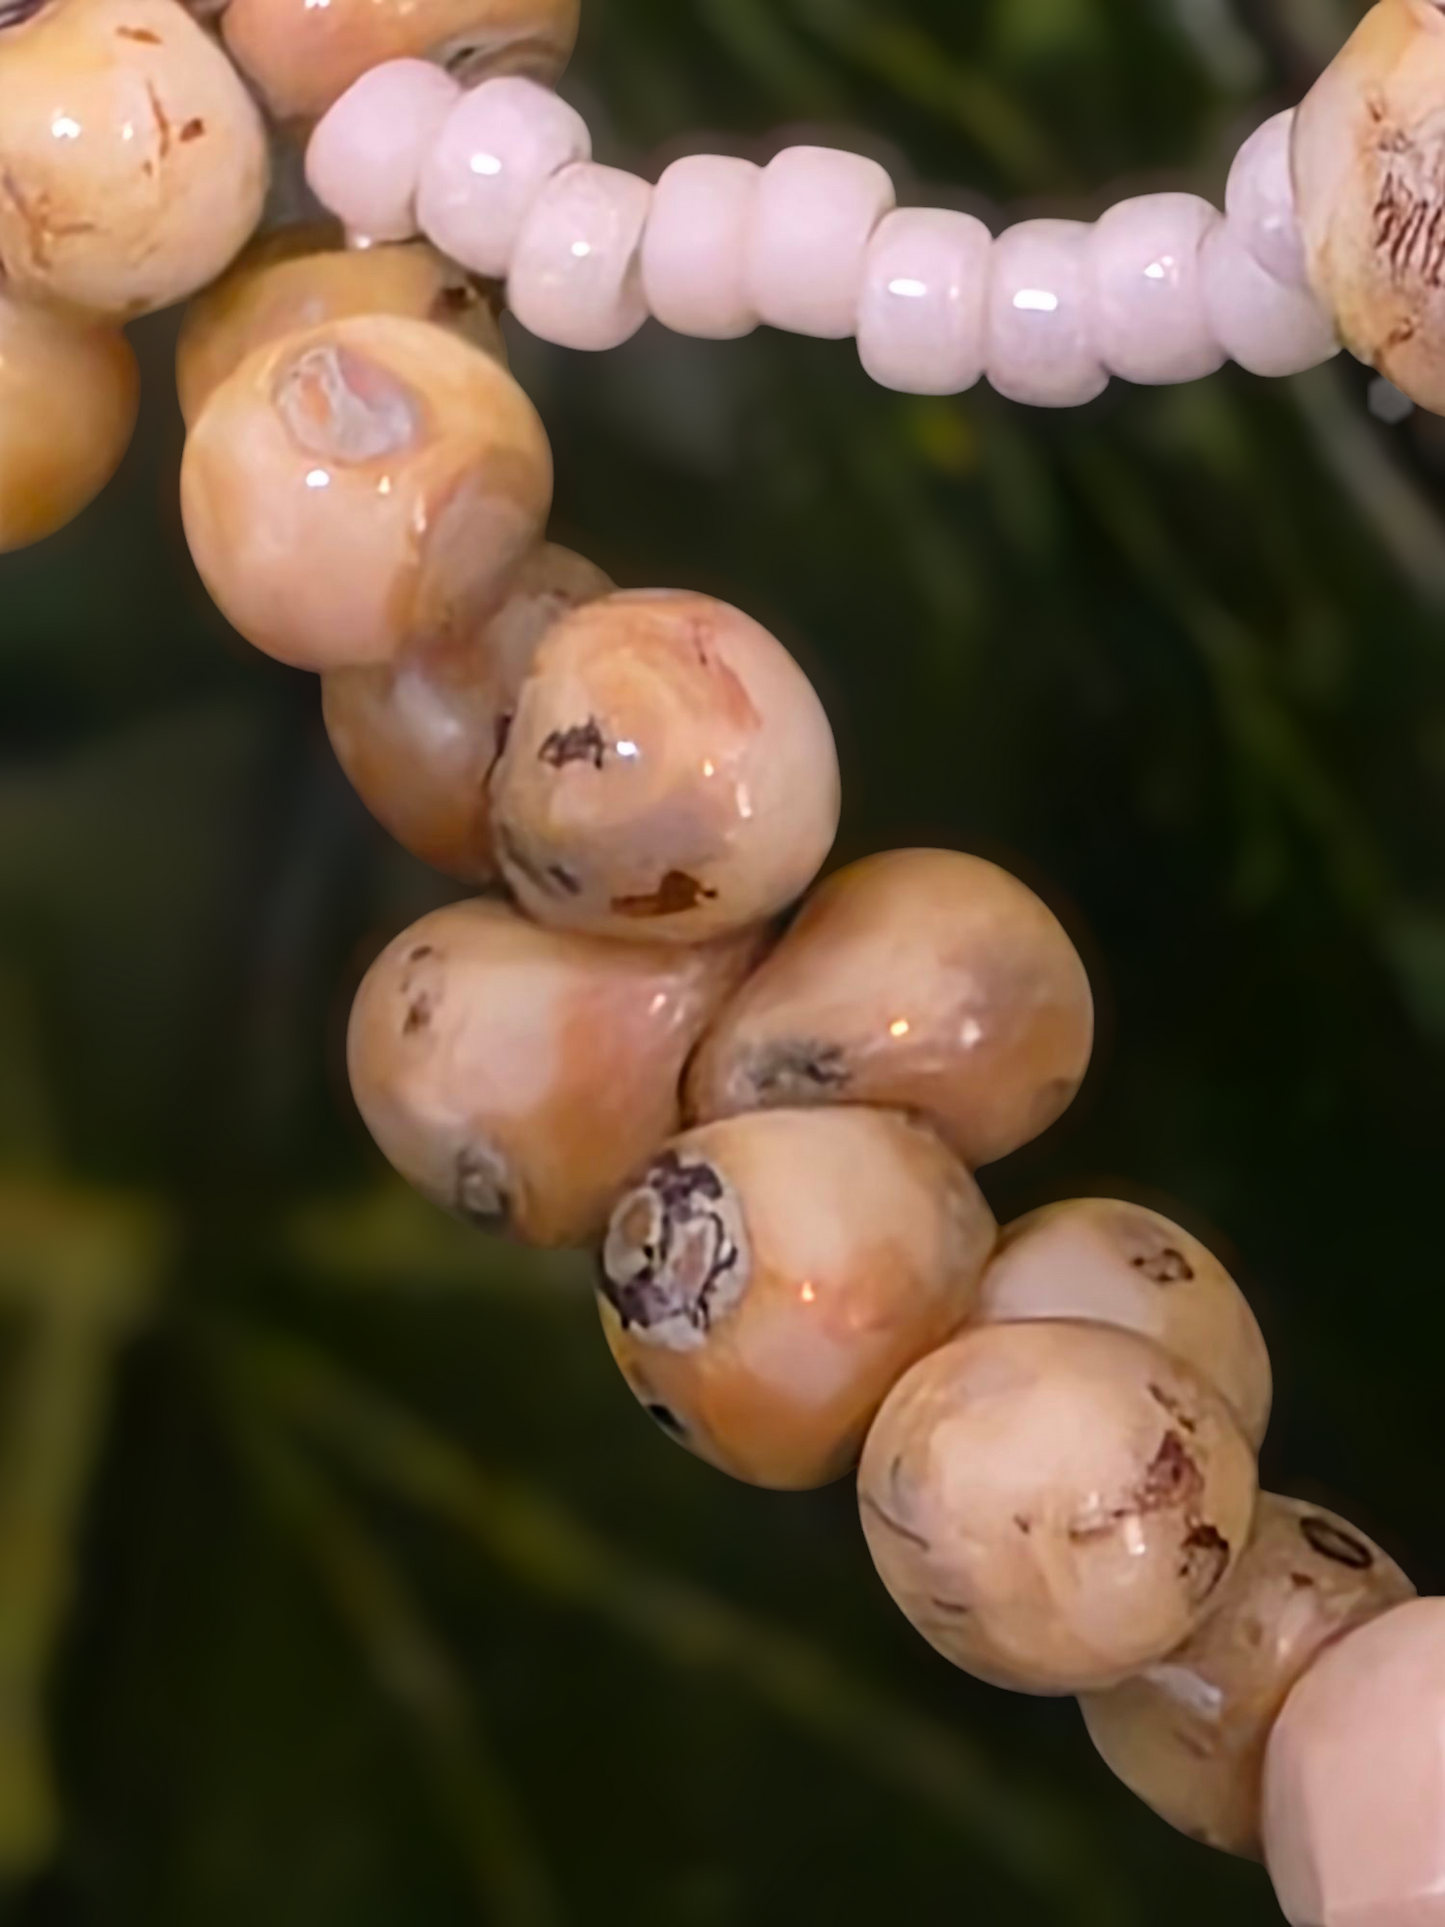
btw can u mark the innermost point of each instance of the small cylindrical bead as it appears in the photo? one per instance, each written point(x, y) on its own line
point(497, 150)
point(1147, 297)
point(922, 312)
point(575, 278)
point(366, 156)
point(1040, 347)
point(812, 219)
point(1268, 326)
point(694, 252)
point(1259, 199)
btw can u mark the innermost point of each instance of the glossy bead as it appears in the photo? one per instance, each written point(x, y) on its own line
point(767, 1280)
point(133, 158)
point(1039, 344)
point(498, 149)
point(1118, 1264)
point(924, 980)
point(575, 277)
point(299, 277)
point(1369, 187)
point(68, 398)
point(362, 489)
point(519, 1076)
point(1269, 326)
point(1354, 1784)
point(1055, 1505)
point(1150, 321)
point(303, 57)
point(1188, 1735)
point(924, 304)
point(419, 738)
point(813, 216)
point(694, 251)
point(1259, 200)
point(670, 773)
point(364, 161)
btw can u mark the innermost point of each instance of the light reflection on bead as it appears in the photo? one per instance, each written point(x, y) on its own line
point(921, 315)
point(1040, 347)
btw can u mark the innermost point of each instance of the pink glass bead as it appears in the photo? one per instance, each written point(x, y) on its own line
point(1040, 345)
point(365, 157)
point(1150, 320)
point(1259, 199)
point(694, 253)
point(1354, 1785)
point(498, 149)
point(575, 278)
point(1268, 326)
point(813, 217)
point(922, 312)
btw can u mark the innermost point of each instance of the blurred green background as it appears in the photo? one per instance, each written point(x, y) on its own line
point(341, 1582)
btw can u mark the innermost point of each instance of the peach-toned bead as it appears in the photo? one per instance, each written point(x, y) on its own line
point(364, 160)
point(1269, 326)
point(812, 219)
point(574, 277)
point(767, 1280)
point(1354, 1779)
point(1259, 200)
point(1039, 342)
point(498, 149)
point(925, 292)
point(694, 253)
point(1147, 302)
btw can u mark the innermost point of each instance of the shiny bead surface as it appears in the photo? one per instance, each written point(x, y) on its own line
point(1269, 326)
point(1040, 345)
point(924, 303)
point(694, 252)
point(1150, 321)
point(813, 216)
point(364, 161)
point(1259, 200)
point(575, 277)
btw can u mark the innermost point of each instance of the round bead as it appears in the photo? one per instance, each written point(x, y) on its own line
point(364, 161)
point(1354, 1782)
point(813, 216)
point(1269, 326)
point(1055, 1505)
point(575, 278)
point(1188, 1735)
point(766, 1281)
point(362, 489)
point(1259, 200)
point(500, 146)
point(1039, 340)
point(924, 980)
point(694, 253)
point(1150, 319)
point(1119, 1264)
point(520, 1076)
point(924, 304)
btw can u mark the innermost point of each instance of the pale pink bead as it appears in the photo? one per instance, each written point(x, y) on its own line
point(365, 157)
point(1354, 1785)
point(575, 278)
point(694, 253)
point(499, 147)
point(812, 219)
point(1040, 346)
point(922, 312)
point(1150, 321)
point(1259, 199)
point(1268, 326)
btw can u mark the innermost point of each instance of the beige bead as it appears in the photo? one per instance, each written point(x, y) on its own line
point(519, 1076)
point(68, 398)
point(1055, 1505)
point(133, 160)
point(1354, 1782)
point(1118, 1264)
point(301, 277)
point(922, 979)
point(361, 489)
point(670, 773)
point(768, 1278)
point(302, 57)
point(1368, 160)
point(420, 738)
point(1188, 1735)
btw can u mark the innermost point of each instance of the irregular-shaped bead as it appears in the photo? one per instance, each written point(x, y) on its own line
point(1269, 326)
point(575, 278)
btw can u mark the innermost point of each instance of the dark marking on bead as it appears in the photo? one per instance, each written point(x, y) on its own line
point(582, 743)
point(895, 1526)
point(1333, 1542)
point(142, 34)
point(799, 1069)
point(564, 879)
point(1172, 1480)
point(677, 893)
point(1166, 1267)
point(1206, 1559)
point(1174, 1407)
point(422, 950)
point(678, 1254)
point(1301, 1582)
point(1024, 1523)
point(419, 1013)
point(667, 1419)
point(192, 131)
point(480, 1192)
point(954, 1606)
point(15, 13)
